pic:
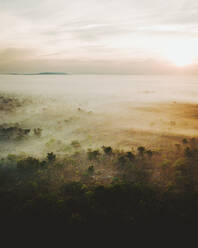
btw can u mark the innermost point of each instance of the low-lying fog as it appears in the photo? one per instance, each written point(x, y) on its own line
point(42, 114)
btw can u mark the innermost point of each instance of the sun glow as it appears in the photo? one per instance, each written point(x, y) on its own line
point(181, 53)
point(181, 59)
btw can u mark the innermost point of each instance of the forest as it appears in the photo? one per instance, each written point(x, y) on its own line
point(78, 179)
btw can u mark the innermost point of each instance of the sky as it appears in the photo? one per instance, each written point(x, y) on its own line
point(92, 36)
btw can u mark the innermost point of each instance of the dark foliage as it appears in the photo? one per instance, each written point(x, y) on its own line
point(51, 156)
point(107, 150)
point(79, 189)
point(141, 150)
point(28, 164)
point(13, 132)
point(93, 155)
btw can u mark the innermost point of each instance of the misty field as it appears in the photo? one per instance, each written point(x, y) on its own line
point(120, 111)
point(80, 137)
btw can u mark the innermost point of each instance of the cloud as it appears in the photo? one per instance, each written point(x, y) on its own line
point(102, 30)
point(12, 54)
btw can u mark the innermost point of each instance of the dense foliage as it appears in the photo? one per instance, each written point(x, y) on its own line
point(104, 185)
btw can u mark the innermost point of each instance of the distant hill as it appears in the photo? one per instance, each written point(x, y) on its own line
point(51, 73)
point(39, 73)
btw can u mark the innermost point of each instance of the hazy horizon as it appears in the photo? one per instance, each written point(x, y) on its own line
point(114, 37)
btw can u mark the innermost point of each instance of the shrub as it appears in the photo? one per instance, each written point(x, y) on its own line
point(107, 150)
point(28, 164)
point(75, 144)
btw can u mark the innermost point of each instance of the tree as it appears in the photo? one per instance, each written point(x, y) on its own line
point(141, 150)
point(185, 174)
point(184, 141)
point(130, 156)
point(28, 164)
point(122, 160)
point(188, 153)
point(51, 157)
point(107, 150)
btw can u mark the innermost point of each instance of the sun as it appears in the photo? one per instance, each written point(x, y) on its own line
point(181, 53)
point(181, 60)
